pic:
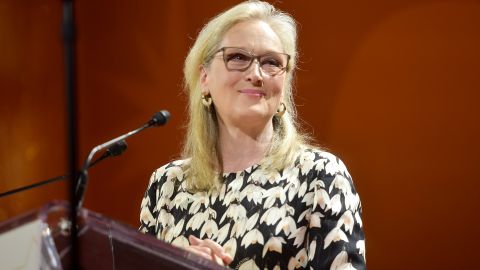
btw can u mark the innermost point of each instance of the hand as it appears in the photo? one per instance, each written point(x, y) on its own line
point(209, 249)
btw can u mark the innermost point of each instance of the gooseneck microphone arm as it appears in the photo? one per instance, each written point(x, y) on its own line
point(158, 119)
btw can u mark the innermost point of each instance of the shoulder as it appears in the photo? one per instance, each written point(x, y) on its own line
point(165, 180)
point(174, 170)
point(321, 161)
point(326, 173)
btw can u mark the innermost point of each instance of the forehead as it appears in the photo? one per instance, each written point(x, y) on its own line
point(255, 36)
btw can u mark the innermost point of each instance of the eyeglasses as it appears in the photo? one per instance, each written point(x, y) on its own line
point(272, 63)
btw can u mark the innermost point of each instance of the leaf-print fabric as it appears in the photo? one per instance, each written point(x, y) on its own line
point(306, 216)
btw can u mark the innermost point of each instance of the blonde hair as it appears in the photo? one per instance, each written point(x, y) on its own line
point(202, 130)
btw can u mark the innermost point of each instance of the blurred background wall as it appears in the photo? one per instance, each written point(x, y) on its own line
point(392, 87)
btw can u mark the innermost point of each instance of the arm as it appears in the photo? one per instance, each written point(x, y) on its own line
point(148, 211)
point(335, 235)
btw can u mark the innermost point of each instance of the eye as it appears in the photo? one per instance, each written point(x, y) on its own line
point(271, 61)
point(238, 57)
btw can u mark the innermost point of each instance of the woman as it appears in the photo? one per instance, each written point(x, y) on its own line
point(279, 202)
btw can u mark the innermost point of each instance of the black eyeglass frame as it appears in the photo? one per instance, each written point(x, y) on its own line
point(253, 57)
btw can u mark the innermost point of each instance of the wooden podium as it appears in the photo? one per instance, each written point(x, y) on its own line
point(40, 240)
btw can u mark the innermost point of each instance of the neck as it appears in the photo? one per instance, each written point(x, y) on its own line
point(241, 148)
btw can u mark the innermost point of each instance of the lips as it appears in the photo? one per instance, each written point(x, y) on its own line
point(253, 92)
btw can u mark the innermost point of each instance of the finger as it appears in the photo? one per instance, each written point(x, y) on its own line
point(194, 240)
point(201, 251)
point(217, 249)
point(227, 259)
point(217, 259)
point(214, 246)
point(206, 253)
point(205, 250)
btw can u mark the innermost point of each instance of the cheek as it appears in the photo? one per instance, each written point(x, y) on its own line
point(224, 80)
point(233, 79)
point(222, 88)
point(278, 88)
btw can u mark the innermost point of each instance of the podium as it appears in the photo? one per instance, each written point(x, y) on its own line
point(40, 239)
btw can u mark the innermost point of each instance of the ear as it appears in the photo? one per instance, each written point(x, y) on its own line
point(204, 79)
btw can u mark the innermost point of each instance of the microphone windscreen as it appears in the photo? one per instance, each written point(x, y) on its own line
point(160, 118)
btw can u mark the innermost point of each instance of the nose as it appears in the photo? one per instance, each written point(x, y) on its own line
point(255, 74)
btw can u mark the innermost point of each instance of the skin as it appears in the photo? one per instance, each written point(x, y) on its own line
point(209, 250)
point(246, 102)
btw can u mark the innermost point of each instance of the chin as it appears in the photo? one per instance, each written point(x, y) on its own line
point(255, 115)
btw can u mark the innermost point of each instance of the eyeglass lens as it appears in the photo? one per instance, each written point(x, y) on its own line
point(238, 59)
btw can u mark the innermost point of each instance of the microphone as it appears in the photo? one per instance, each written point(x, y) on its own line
point(158, 119)
point(114, 150)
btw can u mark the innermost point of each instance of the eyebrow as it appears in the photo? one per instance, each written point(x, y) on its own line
point(249, 51)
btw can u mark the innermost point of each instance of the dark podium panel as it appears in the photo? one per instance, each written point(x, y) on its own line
point(40, 240)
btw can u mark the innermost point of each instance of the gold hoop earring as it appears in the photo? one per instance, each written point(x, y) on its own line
point(207, 100)
point(281, 110)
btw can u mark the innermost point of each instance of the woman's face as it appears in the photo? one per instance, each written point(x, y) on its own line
point(248, 97)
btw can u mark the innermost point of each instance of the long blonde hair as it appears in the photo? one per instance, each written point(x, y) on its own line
point(201, 146)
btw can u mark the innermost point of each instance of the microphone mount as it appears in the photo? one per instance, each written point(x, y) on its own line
point(158, 119)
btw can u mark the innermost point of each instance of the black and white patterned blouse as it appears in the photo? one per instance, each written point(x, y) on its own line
point(305, 216)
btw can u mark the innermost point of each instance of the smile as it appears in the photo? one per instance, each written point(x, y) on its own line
point(253, 92)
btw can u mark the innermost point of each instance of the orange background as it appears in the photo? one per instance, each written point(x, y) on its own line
point(392, 87)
